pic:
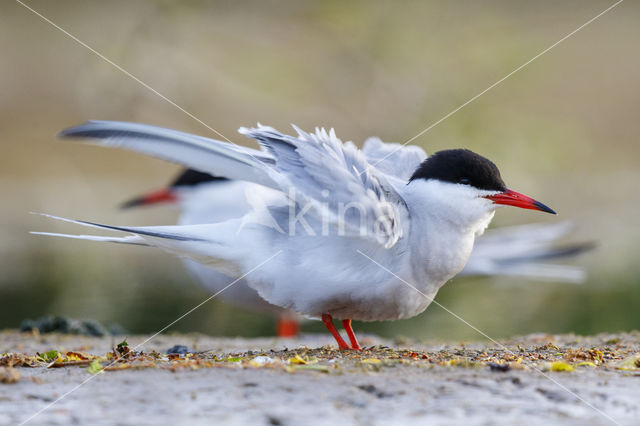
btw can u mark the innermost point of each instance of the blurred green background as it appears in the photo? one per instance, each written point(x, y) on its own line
point(564, 130)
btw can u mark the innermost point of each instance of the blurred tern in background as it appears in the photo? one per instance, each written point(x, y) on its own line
point(367, 234)
point(203, 198)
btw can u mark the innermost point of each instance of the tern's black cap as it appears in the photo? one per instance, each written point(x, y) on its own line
point(461, 166)
point(191, 177)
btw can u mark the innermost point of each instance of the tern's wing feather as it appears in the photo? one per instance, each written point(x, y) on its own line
point(197, 152)
point(207, 244)
point(335, 176)
point(321, 170)
point(129, 239)
point(393, 158)
point(523, 251)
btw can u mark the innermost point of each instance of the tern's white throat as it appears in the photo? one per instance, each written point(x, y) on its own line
point(445, 219)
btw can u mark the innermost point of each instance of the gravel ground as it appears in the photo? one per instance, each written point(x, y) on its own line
point(276, 381)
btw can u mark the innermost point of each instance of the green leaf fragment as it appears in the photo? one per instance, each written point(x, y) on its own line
point(561, 366)
point(320, 368)
point(95, 367)
point(49, 356)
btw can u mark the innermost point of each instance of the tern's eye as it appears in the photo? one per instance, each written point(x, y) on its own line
point(464, 181)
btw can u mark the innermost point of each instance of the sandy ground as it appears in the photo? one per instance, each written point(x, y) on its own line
point(434, 383)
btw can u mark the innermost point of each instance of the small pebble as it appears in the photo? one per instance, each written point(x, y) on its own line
point(178, 350)
point(262, 359)
point(499, 367)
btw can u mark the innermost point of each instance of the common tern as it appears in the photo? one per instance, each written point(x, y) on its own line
point(518, 251)
point(346, 237)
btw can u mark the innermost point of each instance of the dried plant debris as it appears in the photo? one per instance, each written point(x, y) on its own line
point(630, 363)
point(9, 375)
point(561, 354)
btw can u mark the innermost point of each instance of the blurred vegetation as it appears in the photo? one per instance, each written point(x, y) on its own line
point(564, 129)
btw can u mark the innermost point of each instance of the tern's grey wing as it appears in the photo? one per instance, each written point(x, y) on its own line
point(393, 158)
point(526, 251)
point(337, 178)
point(197, 152)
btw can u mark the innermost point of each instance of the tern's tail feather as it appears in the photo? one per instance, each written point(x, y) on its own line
point(130, 239)
point(208, 244)
point(523, 251)
point(196, 152)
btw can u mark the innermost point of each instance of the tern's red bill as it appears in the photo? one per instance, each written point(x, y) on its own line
point(161, 196)
point(513, 198)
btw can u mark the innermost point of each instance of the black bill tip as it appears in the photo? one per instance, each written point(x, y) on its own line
point(135, 202)
point(543, 208)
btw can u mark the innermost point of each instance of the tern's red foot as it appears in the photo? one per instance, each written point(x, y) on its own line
point(346, 323)
point(288, 327)
point(328, 321)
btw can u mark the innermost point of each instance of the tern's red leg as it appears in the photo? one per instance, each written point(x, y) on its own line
point(346, 323)
point(288, 327)
point(328, 321)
